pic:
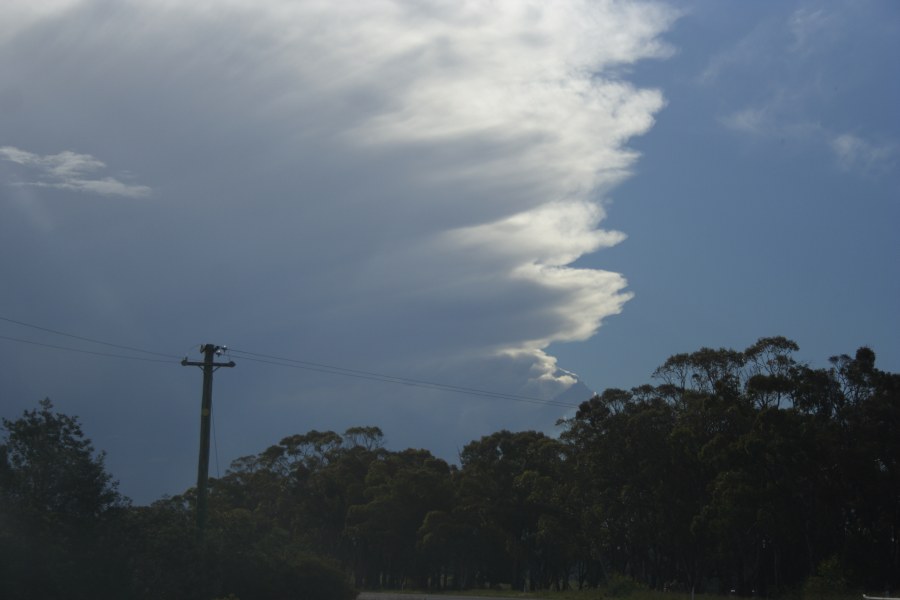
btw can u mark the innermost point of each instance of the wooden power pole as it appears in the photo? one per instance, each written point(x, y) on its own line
point(209, 366)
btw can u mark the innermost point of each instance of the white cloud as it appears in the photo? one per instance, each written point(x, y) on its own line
point(554, 234)
point(776, 42)
point(754, 121)
point(536, 246)
point(854, 153)
point(395, 186)
point(812, 29)
point(851, 152)
point(801, 57)
point(15, 15)
point(773, 120)
point(70, 171)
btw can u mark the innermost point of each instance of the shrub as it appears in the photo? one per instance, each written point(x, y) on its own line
point(620, 586)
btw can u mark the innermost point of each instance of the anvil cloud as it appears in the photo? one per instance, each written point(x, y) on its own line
point(400, 186)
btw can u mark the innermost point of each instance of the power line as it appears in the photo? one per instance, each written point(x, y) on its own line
point(281, 361)
point(82, 351)
point(384, 378)
point(87, 339)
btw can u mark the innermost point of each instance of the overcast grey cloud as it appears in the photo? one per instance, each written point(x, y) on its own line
point(518, 197)
point(394, 186)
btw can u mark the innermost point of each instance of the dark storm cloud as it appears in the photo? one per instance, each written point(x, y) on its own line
point(387, 185)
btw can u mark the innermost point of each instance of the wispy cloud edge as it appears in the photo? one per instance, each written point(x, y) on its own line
point(69, 170)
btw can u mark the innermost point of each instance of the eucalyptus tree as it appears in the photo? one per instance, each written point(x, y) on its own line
point(511, 488)
point(400, 491)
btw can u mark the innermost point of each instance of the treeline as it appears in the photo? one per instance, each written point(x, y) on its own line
point(736, 471)
point(67, 533)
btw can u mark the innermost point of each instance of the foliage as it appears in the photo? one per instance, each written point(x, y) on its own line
point(620, 586)
point(738, 471)
point(828, 583)
point(734, 472)
point(58, 509)
point(49, 468)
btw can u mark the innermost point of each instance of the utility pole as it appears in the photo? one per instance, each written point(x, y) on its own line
point(209, 366)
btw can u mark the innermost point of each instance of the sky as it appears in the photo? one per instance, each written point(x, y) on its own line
point(530, 200)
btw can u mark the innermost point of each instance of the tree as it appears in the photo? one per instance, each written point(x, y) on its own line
point(400, 490)
point(49, 468)
point(506, 486)
point(57, 504)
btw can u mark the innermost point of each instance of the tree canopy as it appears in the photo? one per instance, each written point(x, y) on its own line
point(57, 503)
point(733, 471)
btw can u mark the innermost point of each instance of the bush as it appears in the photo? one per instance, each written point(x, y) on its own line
point(620, 586)
point(279, 578)
point(828, 583)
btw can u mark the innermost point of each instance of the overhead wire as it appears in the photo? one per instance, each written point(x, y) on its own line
point(281, 361)
point(87, 339)
point(83, 351)
point(385, 378)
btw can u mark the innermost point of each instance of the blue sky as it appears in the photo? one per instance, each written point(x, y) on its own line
point(739, 229)
point(489, 195)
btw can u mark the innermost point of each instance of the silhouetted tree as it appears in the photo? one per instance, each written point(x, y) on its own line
point(57, 507)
